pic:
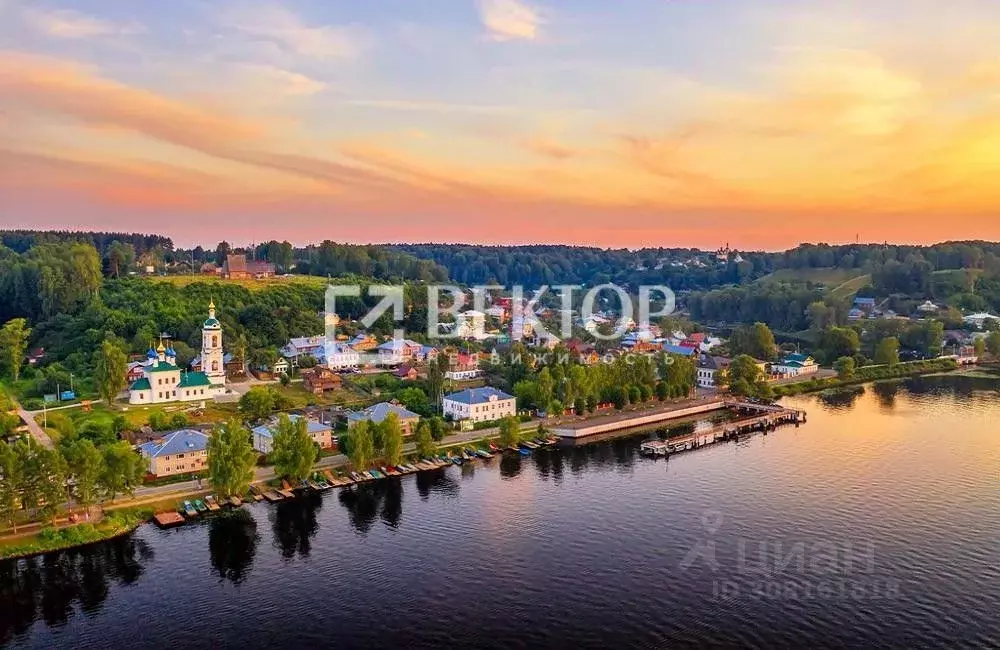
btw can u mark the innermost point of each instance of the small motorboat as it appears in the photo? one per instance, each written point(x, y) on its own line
point(200, 506)
point(211, 503)
point(524, 452)
point(494, 448)
point(189, 510)
point(482, 453)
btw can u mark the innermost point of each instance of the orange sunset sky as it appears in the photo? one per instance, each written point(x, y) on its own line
point(636, 123)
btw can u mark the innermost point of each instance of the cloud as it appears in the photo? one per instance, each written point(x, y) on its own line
point(284, 28)
point(429, 107)
point(508, 20)
point(66, 23)
point(267, 78)
point(552, 149)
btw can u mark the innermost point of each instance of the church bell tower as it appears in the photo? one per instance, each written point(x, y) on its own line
point(212, 362)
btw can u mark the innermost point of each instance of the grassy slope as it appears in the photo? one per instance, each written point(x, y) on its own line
point(253, 285)
point(830, 277)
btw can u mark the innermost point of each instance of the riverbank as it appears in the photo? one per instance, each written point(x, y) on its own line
point(868, 374)
point(49, 539)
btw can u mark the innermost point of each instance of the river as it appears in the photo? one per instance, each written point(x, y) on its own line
point(875, 523)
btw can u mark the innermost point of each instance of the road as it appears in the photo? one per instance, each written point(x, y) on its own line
point(37, 432)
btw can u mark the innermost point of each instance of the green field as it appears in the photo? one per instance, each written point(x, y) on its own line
point(830, 276)
point(850, 287)
point(253, 285)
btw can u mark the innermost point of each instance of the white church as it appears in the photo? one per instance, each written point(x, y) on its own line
point(164, 381)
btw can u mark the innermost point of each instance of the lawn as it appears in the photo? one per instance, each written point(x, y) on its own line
point(300, 397)
point(252, 284)
point(850, 287)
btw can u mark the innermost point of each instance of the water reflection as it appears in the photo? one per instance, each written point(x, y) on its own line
point(49, 587)
point(886, 392)
point(437, 482)
point(367, 503)
point(232, 543)
point(841, 399)
point(510, 464)
point(294, 524)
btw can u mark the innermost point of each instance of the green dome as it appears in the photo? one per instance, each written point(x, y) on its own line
point(212, 322)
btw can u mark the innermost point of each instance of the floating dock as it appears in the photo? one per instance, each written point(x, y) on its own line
point(168, 519)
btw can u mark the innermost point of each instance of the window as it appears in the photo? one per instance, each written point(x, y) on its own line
point(215, 366)
point(180, 455)
point(215, 341)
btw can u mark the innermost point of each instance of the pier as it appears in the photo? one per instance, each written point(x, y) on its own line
point(630, 420)
point(767, 418)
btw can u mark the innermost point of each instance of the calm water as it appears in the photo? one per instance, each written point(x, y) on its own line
point(885, 506)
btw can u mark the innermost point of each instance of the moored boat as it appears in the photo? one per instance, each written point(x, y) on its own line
point(200, 506)
point(189, 509)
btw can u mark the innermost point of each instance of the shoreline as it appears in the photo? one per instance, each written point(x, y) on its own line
point(941, 367)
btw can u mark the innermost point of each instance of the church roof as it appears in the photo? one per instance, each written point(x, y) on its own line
point(212, 322)
point(193, 380)
point(162, 366)
point(140, 384)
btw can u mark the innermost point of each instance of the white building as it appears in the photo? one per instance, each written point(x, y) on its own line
point(397, 351)
point(263, 436)
point(710, 369)
point(979, 320)
point(340, 356)
point(163, 381)
point(470, 325)
point(479, 405)
point(296, 348)
point(795, 365)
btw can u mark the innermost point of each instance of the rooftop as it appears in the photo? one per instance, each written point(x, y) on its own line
point(478, 395)
point(379, 412)
point(312, 426)
point(178, 442)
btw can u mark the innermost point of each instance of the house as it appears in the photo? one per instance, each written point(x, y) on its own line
point(34, 356)
point(397, 351)
point(238, 267)
point(376, 414)
point(429, 353)
point(340, 356)
point(979, 320)
point(680, 350)
point(363, 342)
point(497, 312)
point(320, 379)
point(855, 314)
point(866, 304)
point(928, 307)
point(180, 452)
point(406, 373)
point(794, 365)
point(462, 366)
point(263, 436)
point(281, 366)
point(471, 324)
point(312, 346)
point(694, 341)
point(136, 371)
point(479, 405)
point(710, 369)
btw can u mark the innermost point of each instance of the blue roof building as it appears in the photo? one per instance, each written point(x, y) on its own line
point(263, 436)
point(479, 404)
point(181, 452)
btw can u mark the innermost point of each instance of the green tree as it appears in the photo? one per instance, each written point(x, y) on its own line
point(361, 445)
point(11, 483)
point(415, 400)
point(744, 375)
point(123, 470)
point(85, 464)
point(755, 340)
point(979, 347)
point(426, 447)
point(110, 369)
point(13, 345)
point(510, 432)
point(257, 403)
point(887, 351)
point(44, 480)
point(392, 439)
point(294, 452)
point(231, 459)
point(120, 257)
point(845, 367)
point(662, 390)
point(438, 428)
point(993, 343)
point(839, 342)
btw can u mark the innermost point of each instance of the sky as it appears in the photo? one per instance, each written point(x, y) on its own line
point(761, 123)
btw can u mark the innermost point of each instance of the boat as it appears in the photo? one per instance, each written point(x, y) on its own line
point(494, 448)
point(272, 496)
point(236, 502)
point(376, 474)
point(256, 493)
point(529, 444)
point(524, 452)
point(211, 503)
point(200, 505)
point(314, 485)
point(482, 453)
point(189, 510)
